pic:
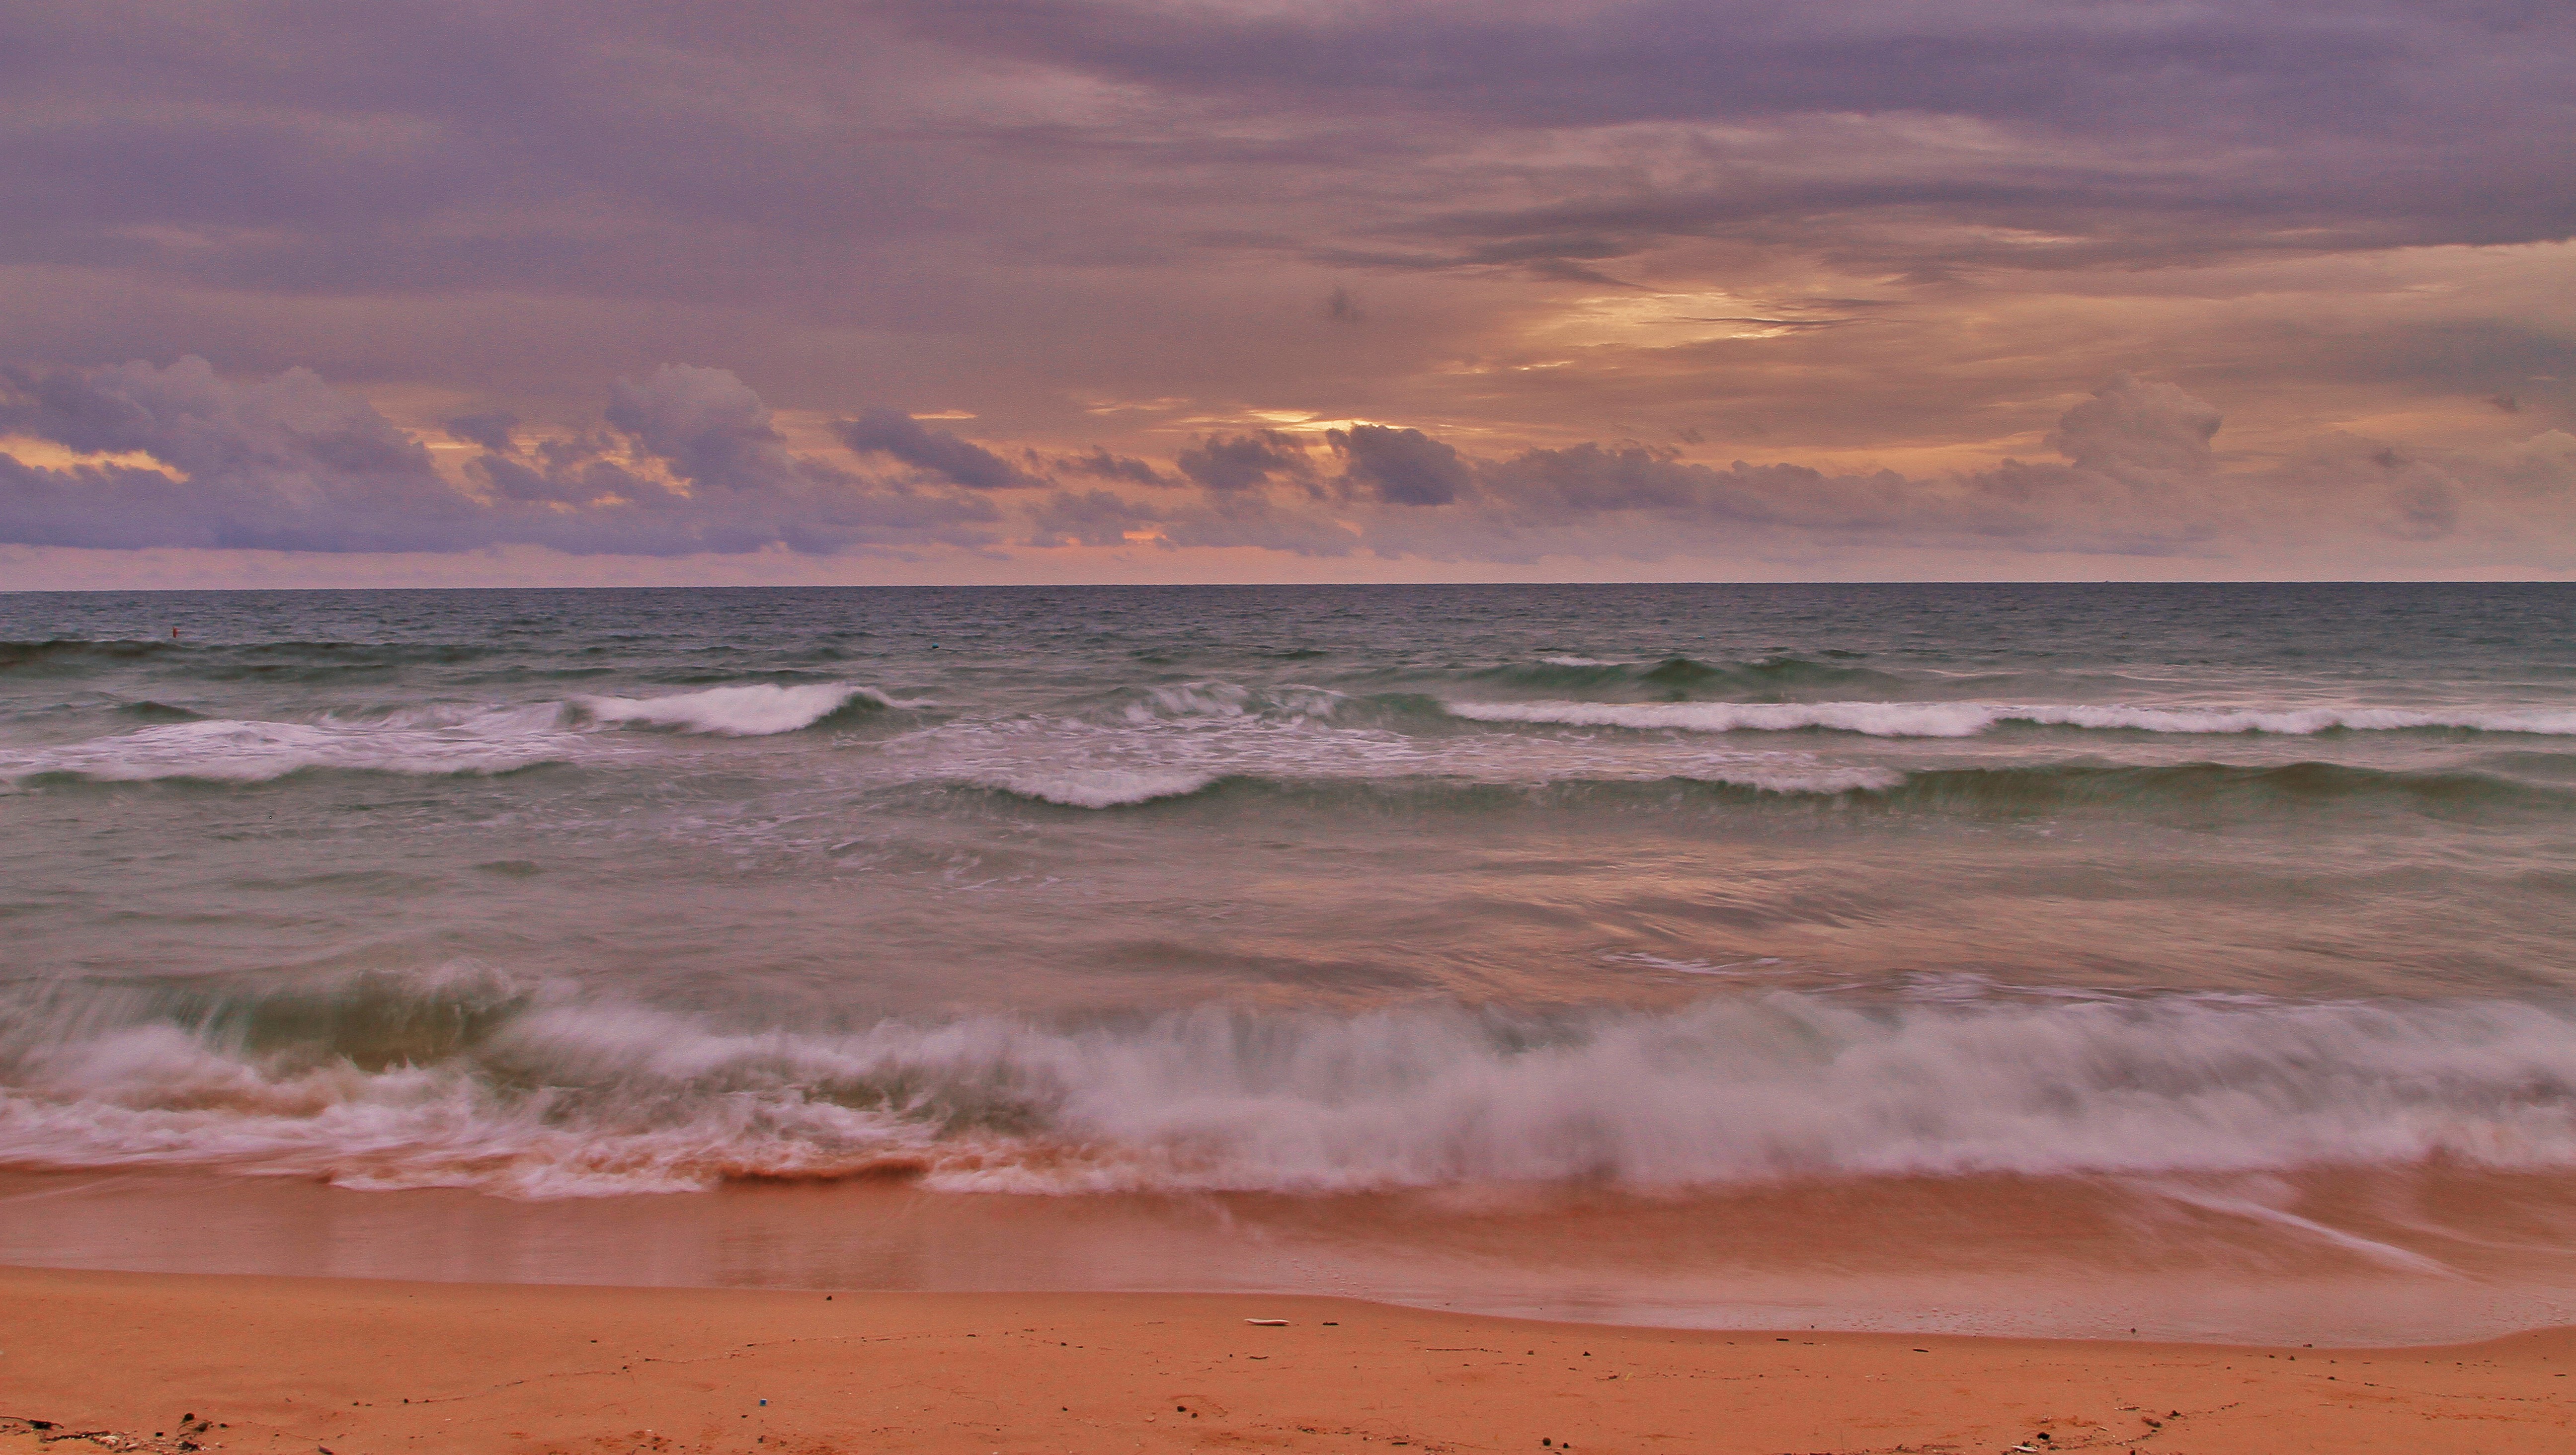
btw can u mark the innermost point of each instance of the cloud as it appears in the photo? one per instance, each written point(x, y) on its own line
point(691, 463)
point(689, 460)
point(1400, 466)
point(1098, 462)
point(284, 463)
point(1902, 227)
point(1091, 518)
point(2136, 452)
point(2134, 428)
point(491, 431)
point(1228, 463)
point(937, 452)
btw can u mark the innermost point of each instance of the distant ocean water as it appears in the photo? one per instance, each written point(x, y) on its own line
point(1305, 891)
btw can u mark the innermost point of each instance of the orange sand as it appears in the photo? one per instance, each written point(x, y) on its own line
point(368, 1368)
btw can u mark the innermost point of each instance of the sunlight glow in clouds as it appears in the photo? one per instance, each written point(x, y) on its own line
point(1104, 289)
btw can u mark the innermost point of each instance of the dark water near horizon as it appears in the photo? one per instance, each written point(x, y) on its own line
point(1330, 891)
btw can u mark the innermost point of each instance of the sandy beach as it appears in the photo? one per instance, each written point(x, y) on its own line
point(176, 1362)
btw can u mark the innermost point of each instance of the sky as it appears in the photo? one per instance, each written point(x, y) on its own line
point(550, 292)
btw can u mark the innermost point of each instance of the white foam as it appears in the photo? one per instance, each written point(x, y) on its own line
point(1214, 699)
point(1736, 1089)
point(1178, 739)
point(1968, 719)
point(482, 741)
point(1757, 966)
point(1580, 662)
point(754, 711)
point(1103, 787)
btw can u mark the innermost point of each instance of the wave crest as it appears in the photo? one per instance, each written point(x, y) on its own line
point(1968, 719)
point(574, 1099)
point(753, 711)
point(1102, 787)
point(224, 750)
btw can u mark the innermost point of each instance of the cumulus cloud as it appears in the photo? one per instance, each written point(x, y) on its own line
point(1400, 466)
point(935, 452)
point(284, 463)
point(1098, 462)
point(690, 462)
point(2139, 476)
point(689, 459)
point(1228, 463)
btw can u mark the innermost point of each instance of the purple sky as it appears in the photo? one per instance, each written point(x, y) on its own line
point(921, 290)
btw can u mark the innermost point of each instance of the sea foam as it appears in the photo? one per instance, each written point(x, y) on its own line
point(1102, 787)
point(572, 1099)
point(754, 711)
point(496, 740)
point(1968, 719)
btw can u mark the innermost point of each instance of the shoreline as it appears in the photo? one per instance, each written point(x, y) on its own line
point(2404, 1258)
point(358, 1367)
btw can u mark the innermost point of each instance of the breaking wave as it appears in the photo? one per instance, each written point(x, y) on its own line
point(220, 750)
point(754, 711)
point(553, 1097)
point(1102, 787)
point(2006, 791)
point(425, 740)
point(1194, 701)
point(1968, 719)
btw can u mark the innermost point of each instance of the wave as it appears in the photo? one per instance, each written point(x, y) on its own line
point(1224, 701)
point(150, 711)
point(2212, 785)
point(1675, 675)
point(438, 740)
point(2053, 788)
point(1101, 787)
point(558, 1097)
point(73, 652)
point(289, 659)
point(758, 710)
point(223, 750)
point(1969, 719)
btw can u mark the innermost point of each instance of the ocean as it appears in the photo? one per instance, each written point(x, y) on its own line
point(2047, 958)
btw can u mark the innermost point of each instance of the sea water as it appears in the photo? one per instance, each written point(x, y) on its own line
point(1628, 909)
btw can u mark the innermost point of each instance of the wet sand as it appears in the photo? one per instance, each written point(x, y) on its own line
point(2421, 1256)
point(354, 1367)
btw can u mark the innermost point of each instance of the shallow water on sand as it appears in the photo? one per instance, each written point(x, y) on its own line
point(1326, 908)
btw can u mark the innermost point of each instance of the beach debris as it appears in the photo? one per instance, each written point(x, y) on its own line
point(1269, 1323)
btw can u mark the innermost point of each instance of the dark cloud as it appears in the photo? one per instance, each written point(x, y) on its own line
point(1816, 234)
point(286, 463)
point(1226, 463)
point(2123, 128)
point(1400, 466)
point(1098, 462)
point(491, 431)
point(893, 432)
point(635, 151)
point(2138, 476)
point(689, 460)
point(694, 464)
